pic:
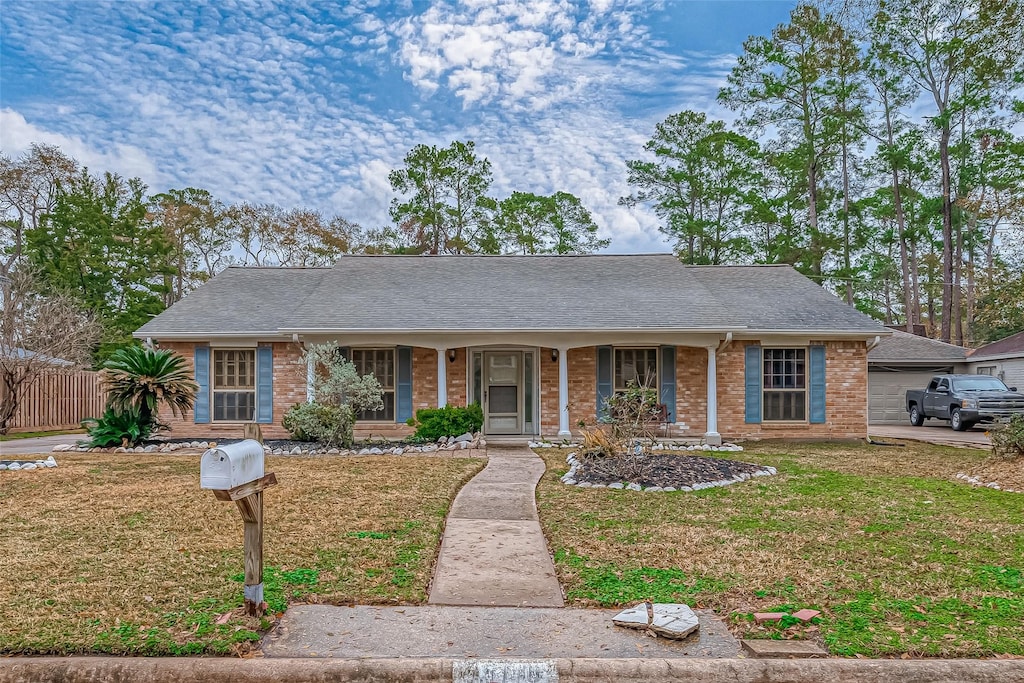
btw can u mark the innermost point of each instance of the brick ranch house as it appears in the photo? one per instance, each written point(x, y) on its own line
point(741, 352)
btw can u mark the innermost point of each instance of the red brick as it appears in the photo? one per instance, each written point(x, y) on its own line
point(806, 615)
point(761, 617)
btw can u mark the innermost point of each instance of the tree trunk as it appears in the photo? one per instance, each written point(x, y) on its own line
point(947, 238)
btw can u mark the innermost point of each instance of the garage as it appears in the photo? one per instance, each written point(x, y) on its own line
point(905, 361)
point(887, 390)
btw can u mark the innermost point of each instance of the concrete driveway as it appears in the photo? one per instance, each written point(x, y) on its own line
point(933, 432)
point(39, 444)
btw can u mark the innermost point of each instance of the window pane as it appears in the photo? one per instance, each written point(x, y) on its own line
point(785, 382)
point(234, 406)
point(234, 369)
point(387, 413)
point(636, 365)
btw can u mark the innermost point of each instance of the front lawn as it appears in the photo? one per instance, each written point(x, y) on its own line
point(126, 554)
point(898, 555)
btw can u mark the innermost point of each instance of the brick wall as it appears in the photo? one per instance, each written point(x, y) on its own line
point(691, 392)
point(846, 392)
point(458, 390)
point(846, 376)
point(289, 389)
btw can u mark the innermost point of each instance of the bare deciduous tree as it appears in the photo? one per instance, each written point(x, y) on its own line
point(38, 334)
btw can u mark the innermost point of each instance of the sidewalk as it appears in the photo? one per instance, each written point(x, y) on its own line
point(493, 552)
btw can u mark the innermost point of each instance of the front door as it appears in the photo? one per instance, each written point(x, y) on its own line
point(503, 372)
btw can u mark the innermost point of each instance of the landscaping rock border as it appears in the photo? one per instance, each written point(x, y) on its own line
point(444, 445)
point(569, 478)
point(28, 465)
point(975, 481)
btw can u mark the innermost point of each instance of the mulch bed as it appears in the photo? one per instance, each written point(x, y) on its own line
point(672, 470)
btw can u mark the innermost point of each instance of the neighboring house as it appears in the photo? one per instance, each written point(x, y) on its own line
point(906, 361)
point(539, 341)
point(1003, 359)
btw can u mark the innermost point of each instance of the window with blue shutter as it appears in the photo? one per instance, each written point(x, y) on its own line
point(668, 380)
point(752, 384)
point(403, 411)
point(264, 384)
point(817, 384)
point(604, 380)
point(201, 362)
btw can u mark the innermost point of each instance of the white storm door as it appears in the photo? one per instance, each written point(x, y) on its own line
point(503, 373)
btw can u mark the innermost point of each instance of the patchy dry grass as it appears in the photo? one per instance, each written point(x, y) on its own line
point(899, 556)
point(125, 554)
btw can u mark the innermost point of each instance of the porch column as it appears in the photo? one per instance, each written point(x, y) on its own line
point(442, 378)
point(310, 377)
point(712, 437)
point(563, 392)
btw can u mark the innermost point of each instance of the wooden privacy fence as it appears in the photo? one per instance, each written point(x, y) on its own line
point(58, 400)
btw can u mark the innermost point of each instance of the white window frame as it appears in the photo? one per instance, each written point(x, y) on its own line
point(806, 390)
point(616, 388)
point(214, 389)
point(989, 370)
point(393, 391)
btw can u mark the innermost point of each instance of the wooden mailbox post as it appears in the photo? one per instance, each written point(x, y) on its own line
point(235, 472)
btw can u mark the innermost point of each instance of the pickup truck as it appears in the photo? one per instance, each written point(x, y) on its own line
point(964, 400)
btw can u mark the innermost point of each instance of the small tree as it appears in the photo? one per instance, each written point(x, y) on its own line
point(38, 334)
point(338, 391)
point(620, 446)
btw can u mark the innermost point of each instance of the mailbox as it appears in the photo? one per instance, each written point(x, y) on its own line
point(226, 467)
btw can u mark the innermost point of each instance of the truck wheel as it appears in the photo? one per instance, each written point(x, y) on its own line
point(956, 421)
point(916, 416)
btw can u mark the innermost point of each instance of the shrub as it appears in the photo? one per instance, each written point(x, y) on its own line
point(139, 379)
point(125, 428)
point(329, 425)
point(433, 423)
point(1008, 439)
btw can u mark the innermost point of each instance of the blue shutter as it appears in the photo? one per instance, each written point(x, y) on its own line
point(604, 380)
point(264, 384)
point(752, 384)
point(403, 391)
point(201, 409)
point(668, 380)
point(817, 385)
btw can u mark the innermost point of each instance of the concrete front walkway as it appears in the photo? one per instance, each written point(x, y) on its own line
point(493, 552)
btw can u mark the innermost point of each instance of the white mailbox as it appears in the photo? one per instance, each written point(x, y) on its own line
point(225, 467)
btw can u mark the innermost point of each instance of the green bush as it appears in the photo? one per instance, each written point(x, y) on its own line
point(433, 423)
point(1008, 439)
point(326, 424)
point(118, 429)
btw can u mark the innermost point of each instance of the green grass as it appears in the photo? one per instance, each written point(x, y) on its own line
point(114, 555)
point(898, 555)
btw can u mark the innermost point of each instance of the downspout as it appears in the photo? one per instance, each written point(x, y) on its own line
point(726, 341)
point(874, 342)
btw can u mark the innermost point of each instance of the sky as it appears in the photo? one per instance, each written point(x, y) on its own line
point(312, 104)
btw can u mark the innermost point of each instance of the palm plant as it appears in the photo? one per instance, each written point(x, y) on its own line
point(138, 380)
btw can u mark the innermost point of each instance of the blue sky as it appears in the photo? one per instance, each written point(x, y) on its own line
point(313, 103)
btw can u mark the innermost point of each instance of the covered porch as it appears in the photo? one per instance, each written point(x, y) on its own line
point(542, 384)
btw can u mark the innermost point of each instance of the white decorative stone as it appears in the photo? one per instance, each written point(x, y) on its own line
point(464, 437)
point(634, 487)
point(332, 451)
point(365, 451)
point(674, 621)
point(3, 466)
point(669, 488)
point(653, 489)
point(616, 485)
point(376, 451)
point(29, 466)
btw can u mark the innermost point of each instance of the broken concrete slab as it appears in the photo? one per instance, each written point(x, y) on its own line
point(786, 649)
point(669, 620)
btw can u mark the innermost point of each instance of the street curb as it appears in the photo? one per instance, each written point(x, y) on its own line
point(319, 670)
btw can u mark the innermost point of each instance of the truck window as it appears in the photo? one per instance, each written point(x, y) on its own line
point(932, 385)
point(943, 385)
point(981, 383)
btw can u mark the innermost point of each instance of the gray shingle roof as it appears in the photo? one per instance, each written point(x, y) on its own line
point(1007, 346)
point(903, 347)
point(639, 292)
